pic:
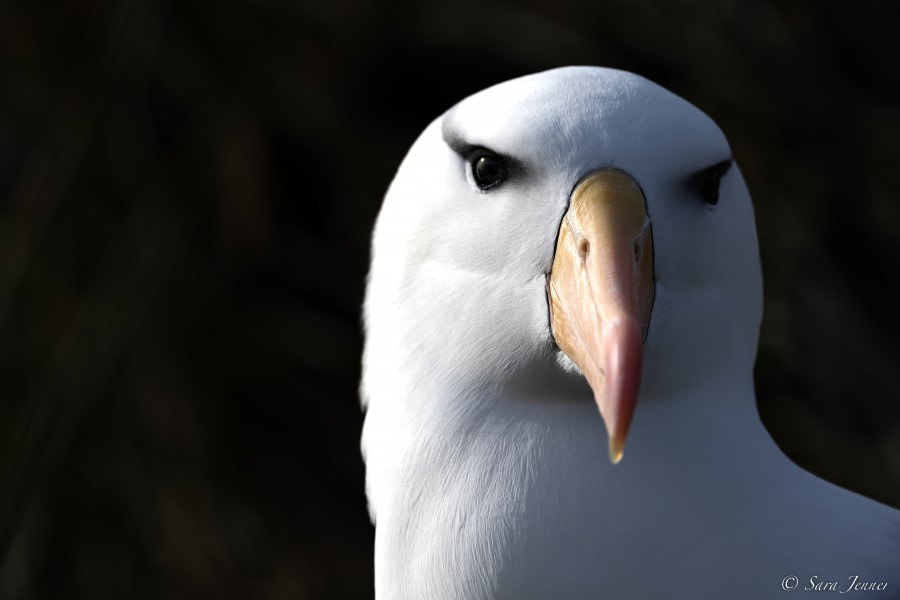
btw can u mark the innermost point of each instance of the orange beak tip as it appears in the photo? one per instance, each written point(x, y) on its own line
point(616, 448)
point(616, 455)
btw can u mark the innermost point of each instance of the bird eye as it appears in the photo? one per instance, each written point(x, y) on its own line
point(709, 180)
point(488, 169)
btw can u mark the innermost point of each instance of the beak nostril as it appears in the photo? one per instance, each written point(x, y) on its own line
point(638, 250)
point(584, 247)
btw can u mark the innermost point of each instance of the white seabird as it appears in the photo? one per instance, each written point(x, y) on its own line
point(585, 226)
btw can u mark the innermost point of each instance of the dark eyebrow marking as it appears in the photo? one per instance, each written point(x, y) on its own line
point(705, 182)
point(466, 149)
point(456, 142)
point(453, 139)
point(701, 177)
point(462, 147)
point(719, 169)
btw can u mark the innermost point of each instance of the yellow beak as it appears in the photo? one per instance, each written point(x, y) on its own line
point(601, 292)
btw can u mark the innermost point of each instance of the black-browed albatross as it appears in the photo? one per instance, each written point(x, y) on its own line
point(581, 234)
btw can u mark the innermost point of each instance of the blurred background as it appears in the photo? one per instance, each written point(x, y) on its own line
point(187, 193)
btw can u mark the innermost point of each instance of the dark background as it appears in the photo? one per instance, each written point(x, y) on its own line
point(187, 193)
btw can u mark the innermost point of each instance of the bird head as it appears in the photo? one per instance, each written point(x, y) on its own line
point(580, 223)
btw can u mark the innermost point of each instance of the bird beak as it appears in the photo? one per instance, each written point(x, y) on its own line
point(601, 291)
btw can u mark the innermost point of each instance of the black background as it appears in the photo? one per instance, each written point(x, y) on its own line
point(187, 193)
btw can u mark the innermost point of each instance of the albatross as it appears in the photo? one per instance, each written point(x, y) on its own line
point(563, 263)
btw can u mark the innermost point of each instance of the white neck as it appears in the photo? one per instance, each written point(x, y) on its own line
point(520, 494)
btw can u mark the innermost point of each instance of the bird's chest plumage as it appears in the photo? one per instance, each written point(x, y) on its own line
point(517, 510)
point(530, 508)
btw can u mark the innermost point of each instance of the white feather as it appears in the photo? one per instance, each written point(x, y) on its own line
point(487, 472)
